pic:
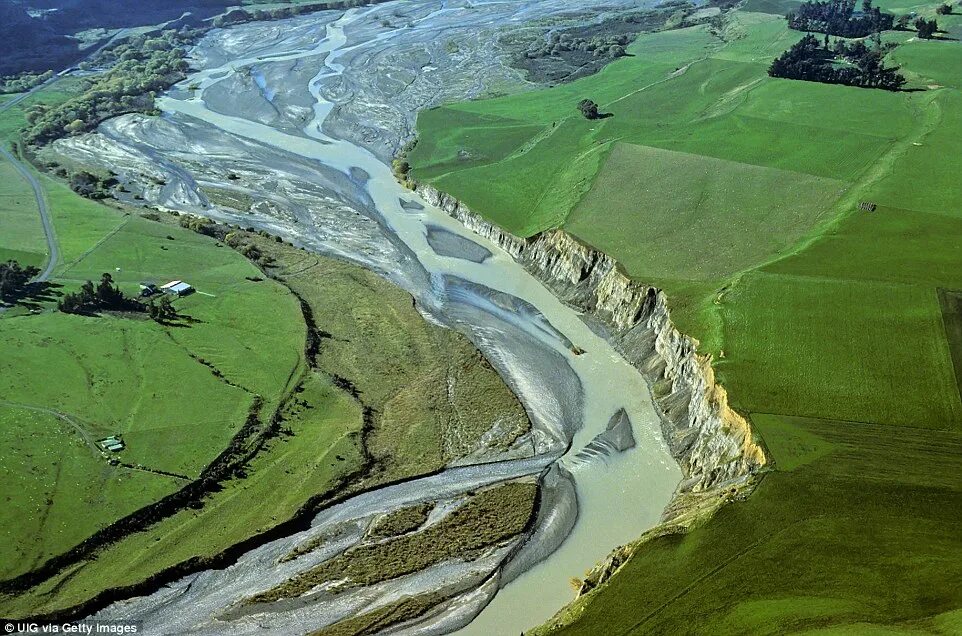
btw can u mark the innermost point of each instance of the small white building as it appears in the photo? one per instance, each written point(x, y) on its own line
point(177, 288)
point(113, 444)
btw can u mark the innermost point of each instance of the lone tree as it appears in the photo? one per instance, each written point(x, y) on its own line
point(945, 9)
point(926, 28)
point(588, 108)
point(163, 312)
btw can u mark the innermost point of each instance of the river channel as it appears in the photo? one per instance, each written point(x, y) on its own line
point(571, 381)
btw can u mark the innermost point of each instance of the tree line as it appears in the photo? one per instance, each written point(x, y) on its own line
point(598, 46)
point(22, 82)
point(141, 67)
point(106, 296)
point(837, 17)
point(14, 279)
point(816, 61)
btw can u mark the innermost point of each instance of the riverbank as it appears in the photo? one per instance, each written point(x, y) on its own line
point(739, 195)
point(720, 455)
point(377, 396)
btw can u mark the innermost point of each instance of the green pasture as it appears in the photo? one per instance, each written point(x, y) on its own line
point(835, 329)
point(154, 385)
point(21, 236)
point(57, 489)
point(854, 350)
point(322, 448)
point(667, 200)
point(123, 375)
point(951, 306)
point(854, 531)
point(682, 90)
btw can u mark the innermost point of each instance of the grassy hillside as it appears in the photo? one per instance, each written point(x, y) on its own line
point(738, 194)
point(384, 396)
point(374, 343)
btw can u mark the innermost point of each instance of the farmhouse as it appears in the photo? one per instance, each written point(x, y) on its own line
point(177, 288)
point(113, 444)
point(148, 289)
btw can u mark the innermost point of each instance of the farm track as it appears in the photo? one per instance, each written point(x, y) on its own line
point(88, 438)
point(53, 247)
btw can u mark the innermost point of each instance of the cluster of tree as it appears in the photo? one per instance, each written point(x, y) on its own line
point(14, 279)
point(203, 225)
point(91, 185)
point(589, 109)
point(400, 164)
point(129, 86)
point(240, 16)
point(838, 17)
point(926, 28)
point(610, 46)
point(816, 61)
point(163, 311)
point(23, 81)
point(103, 296)
point(222, 232)
point(249, 250)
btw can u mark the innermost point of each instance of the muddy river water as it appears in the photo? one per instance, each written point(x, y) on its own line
point(600, 493)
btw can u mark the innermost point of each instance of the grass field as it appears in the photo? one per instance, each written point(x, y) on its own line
point(52, 480)
point(401, 367)
point(21, 236)
point(854, 528)
point(738, 194)
point(951, 305)
point(140, 379)
point(667, 198)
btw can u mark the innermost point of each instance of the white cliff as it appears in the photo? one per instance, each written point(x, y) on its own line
point(714, 445)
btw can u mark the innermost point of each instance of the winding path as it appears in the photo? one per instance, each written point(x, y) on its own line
point(53, 248)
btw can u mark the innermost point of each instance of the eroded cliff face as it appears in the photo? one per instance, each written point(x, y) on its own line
point(714, 446)
point(712, 443)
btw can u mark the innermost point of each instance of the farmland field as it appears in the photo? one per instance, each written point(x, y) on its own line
point(854, 531)
point(739, 195)
point(127, 375)
point(951, 304)
point(244, 338)
point(668, 200)
point(21, 236)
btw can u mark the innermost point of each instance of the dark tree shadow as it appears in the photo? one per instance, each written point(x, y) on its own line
point(31, 296)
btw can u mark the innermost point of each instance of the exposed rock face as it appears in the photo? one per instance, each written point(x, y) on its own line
point(712, 443)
